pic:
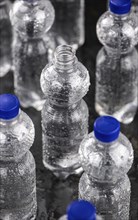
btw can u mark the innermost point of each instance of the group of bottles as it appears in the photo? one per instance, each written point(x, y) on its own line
point(35, 39)
point(32, 44)
point(105, 154)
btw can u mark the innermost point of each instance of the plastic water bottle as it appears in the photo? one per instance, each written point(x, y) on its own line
point(31, 20)
point(64, 115)
point(106, 156)
point(17, 165)
point(81, 210)
point(68, 27)
point(5, 38)
point(117, 63)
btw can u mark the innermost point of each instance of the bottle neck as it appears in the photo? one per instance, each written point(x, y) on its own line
point(65, 60)
point(105, 144)
point(9, 122)
point(119, 17)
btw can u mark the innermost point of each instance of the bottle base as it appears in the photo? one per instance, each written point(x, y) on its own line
point(63, 173)
point(30, 100)
point(125, 115)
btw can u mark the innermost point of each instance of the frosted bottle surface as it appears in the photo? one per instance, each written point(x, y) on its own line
point(5, 38)
point(117, 66)
point(81, 210)
point(68, 27)
point(31, 20)
point(17, 165)
point(106, 157)
point(64, 115)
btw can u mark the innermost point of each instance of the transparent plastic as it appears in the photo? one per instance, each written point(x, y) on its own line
point(64, 115)
point(31, 21)
point(68, 27)
point(5, 38)
point(117, 67)
point(17, 169)
point(104, 181)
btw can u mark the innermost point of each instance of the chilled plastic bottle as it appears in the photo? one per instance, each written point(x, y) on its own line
point(117, 63)
point(31, 20)
point(65, 114)
point(68, 27)
point(17, 165)
point(81, 210)
point(5, 38)
point(106, 157)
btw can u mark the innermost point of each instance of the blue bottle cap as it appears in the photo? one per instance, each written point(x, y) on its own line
point(9, 106)
point(106, 129)
point(120, 7)
point(81, 210)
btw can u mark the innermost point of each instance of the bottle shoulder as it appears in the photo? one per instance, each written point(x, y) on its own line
point(117, 32)
point(32, 19)
point(106, 161)
point(16, 136)
point(66, 87)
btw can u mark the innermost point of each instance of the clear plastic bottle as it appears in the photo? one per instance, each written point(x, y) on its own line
point(31, 20)
point(68, 27)
point(117, 63)
point(81, 210)
point(17, 165)
point(106, 156)
point(64, 115)
point(5, 38)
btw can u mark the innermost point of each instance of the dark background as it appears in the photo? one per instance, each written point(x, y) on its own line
point(54, 194)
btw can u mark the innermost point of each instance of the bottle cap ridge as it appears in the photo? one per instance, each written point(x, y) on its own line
point(106, 129)
point(120, 6)
point(9, 106)
point(81, 210)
